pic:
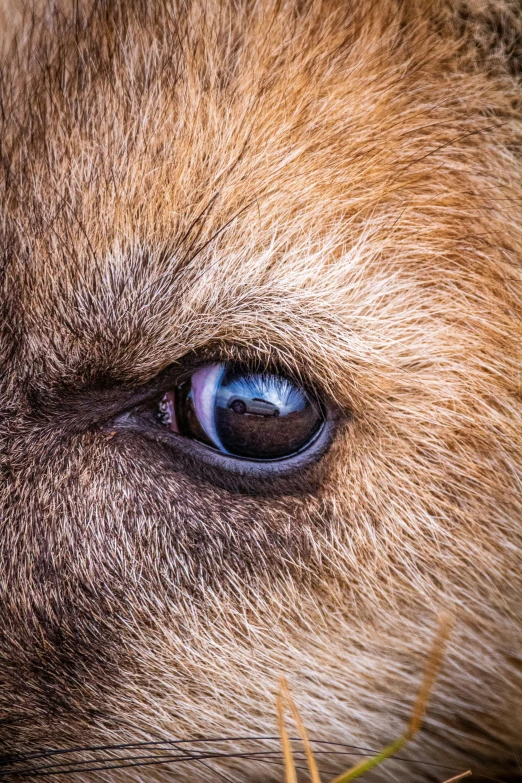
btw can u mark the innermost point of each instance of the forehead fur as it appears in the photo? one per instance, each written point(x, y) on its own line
point(267, 174)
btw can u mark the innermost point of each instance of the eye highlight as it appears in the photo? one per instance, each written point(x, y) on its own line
point(254, 416)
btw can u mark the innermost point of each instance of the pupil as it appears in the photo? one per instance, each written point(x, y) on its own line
point(263, 416)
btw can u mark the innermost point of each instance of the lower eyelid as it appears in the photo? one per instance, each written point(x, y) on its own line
point(213, 459)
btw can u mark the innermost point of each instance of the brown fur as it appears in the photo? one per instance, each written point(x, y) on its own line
point(356, 171)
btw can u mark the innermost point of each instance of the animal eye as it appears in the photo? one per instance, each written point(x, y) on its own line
point(255, 416)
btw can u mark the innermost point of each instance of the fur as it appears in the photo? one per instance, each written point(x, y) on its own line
point(331, 186)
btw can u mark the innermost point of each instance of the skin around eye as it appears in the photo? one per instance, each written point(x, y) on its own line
point(247, 415)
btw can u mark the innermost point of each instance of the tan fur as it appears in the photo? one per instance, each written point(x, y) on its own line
point(357, 170)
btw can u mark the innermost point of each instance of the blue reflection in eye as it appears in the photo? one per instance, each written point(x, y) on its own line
point(254, 415)
point(276, 395)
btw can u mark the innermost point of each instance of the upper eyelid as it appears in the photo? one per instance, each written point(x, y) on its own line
point(253, 359)
point(180, 372)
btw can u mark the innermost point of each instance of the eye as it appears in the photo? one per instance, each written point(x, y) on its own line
point(255, 416)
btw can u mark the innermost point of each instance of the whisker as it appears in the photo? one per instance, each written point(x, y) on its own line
point(183, 754)
point(74, 767)
point(129, 746)
point(353, 750)
point(187, 261)
point(208, 766)
point(70, 767)
point(369, 751)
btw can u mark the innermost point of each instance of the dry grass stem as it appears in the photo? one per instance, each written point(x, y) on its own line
point(431, 671)
point(459, 777)
point(290, 773)
point(312, 765)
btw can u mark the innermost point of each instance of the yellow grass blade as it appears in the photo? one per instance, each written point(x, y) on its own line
point(431, 671)
point(459, 777)
point(288, 756)
point(419, 708)
point(312, 766)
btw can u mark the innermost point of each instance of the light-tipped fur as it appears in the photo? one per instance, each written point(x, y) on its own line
point(335, 186)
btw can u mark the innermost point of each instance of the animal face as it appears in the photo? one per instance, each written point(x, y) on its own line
point(212, 211)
